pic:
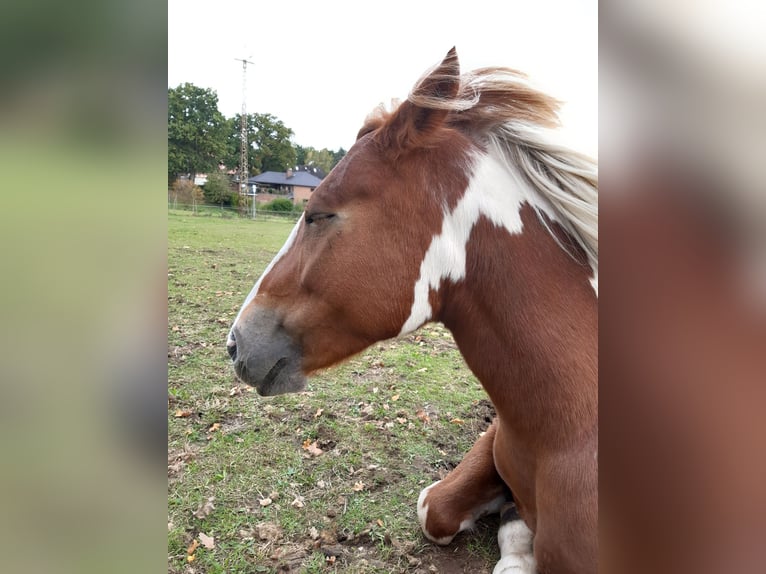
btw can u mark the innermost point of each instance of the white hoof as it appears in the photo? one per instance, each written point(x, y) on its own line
point(516, 555)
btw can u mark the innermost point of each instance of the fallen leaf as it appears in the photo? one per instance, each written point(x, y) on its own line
point(312, 448)
point(457, 421)
point(205, 509)
point(274, 495)
point(190, 558)
point(175, 328)
point(235, 391)
point(423, 416)
point(207, 541)
point(265, 501)
point(358, 486)
point(214, 427)
point(182, 413)
point(321, 484)
point(395, 398)
point(313, 533)
point(380, 522)
point(330, 560)
point(192, 547)
point(298, 502)
point(318, 413)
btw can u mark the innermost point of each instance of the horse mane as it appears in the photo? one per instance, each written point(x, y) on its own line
point(499, 108)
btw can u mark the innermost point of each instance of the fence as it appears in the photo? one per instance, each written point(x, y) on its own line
point(228, 212)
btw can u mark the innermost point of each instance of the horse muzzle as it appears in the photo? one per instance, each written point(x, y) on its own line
point(264, 354)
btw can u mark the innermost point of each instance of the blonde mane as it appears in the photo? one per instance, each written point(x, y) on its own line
point(498, 108)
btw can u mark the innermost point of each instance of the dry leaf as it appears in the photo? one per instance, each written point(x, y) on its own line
point(235, 391)
point(321, 484)
point(190, 558)
point(214, 427)
point(423, 416)
point(192, 547)
point(206, 508)
point(395, 398)
point(318, 413)
point(358, 486)
point(380, 522)
point(207, 541)
point(312, 448)
point(265, 501)
point(298, 502)
point(183, 414)
point(401, 420)
point(175, 328)
point(457, 421)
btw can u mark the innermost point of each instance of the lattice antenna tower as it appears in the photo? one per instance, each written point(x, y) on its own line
point(243, 145)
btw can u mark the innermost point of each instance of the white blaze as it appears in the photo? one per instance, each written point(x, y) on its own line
point(254, 290)
point(494, 191)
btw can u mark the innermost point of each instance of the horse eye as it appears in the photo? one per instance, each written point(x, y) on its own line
point(311, 218)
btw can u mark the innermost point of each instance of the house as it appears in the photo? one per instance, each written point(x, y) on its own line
point(296, 186)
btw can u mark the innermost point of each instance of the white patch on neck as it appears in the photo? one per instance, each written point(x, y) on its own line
point(496, 192)
point(254, 291)
point(594, 282)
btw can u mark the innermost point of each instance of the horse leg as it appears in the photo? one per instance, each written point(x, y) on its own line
point(473, 489)
point(515, 540)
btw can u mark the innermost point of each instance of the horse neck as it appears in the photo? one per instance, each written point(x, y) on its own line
point(525, 319)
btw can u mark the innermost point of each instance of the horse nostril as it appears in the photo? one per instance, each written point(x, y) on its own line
point(231, 347)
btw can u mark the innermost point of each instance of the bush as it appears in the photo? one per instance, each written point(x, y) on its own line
point(185, 193)
point(279, 204)
point(218, 190)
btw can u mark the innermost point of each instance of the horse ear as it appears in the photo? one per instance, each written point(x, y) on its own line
point(427, 106)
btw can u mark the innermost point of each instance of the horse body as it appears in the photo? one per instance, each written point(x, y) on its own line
point(453, 209)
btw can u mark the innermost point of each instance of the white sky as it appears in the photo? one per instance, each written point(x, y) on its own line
point(321, 67)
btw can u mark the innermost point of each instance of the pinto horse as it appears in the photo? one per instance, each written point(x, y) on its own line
point(458, 207)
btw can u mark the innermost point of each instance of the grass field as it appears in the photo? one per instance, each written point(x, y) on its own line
point(322, 481)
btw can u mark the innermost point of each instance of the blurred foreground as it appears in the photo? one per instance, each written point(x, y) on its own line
point(683, 288)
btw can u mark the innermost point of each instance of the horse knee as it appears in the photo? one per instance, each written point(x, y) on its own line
point(433, 520)
point(442, 515)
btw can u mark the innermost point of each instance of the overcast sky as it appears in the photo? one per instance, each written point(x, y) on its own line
point(320, 67)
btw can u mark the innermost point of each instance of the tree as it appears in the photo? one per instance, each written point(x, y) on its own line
point(324, 159)
point(185, 193)
point(337, 156)
point(270, 144)
point(197, 131)
point(218, 190)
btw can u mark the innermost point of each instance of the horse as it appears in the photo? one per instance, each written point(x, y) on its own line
point(458, 206)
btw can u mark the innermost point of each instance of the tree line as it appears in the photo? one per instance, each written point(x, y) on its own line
point(200, 138)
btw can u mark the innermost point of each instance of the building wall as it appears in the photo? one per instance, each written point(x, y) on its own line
point(300, 194)
point(267, 197)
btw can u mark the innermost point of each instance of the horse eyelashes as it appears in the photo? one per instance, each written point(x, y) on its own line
point(318, 217)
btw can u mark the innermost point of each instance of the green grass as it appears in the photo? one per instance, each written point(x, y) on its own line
point(350, 509)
